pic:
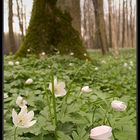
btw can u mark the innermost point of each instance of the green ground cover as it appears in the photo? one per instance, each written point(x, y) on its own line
point(77, 113)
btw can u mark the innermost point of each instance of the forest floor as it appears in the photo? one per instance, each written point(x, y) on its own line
point(108, 77)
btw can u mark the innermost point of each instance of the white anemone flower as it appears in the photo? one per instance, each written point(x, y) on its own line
point(125, 65)
point(43, 53)
point(58, 52)
point(70, 64)
point(129, 68)
point(103, 61)
point(21, 102)
point(131, 63)
point(71, 53)
point(24, 118)
point(96, 68)
point(11, 63)
point(86, 89)
point(28, 50)
point(29, 81)
point(102, 132)
point(5, 95)
point(59, 88)
point(118, 105)
point(17, 62)
point(85, 54)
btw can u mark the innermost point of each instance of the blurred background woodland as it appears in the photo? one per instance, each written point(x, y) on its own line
point(119, 20)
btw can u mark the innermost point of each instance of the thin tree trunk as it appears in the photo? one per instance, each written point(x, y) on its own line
point(88, 39)
point(123, 27)
point(113, 42)
point(25, 22)
point(19, 13)
point(110, 27)
point(131, 25)
point(118, 33)
point(10, 24)
point(133, 29)
point(100, 25)
point(127, 25)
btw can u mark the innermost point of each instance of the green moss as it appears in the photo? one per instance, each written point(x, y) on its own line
point(49, 30)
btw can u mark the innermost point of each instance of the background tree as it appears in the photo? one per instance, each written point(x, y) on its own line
point(51, 30)
point(119, 23)
point(112, 37)
point(100, 25)
point(132, 24)
point(20, 16)
point(123, 25)
point(73, 7)
point(10, 25)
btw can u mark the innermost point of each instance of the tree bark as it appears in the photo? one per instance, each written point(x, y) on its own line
point(10, 25)
point(127, 25)
point(123, 26)
point(20, 17)
point(100, 25)
point(132, 24)
point(112, 38)
point(88, 24)
point(118, 32)
point(73, 7)
point(51, 30)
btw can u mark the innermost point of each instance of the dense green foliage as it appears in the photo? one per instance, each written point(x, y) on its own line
point(81, 111)
point(50, 30)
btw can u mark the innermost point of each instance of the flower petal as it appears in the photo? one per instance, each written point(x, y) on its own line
point(29, 124)
point(55, 81)
point(60, 93)
point(61, 84)
point(50, 87)
point(101, 132)
point(23, 111)
point(14, 117)
point(30, 115)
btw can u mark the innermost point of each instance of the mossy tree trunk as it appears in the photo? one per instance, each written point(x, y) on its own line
point(51, 30)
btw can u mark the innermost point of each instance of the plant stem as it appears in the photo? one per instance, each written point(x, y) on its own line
point(48, 102)
point(15, 133)
point(106, 116)
point(93, 115)
point(112, 130)
point(54, 106)
point(68, 92)
point(72, 81)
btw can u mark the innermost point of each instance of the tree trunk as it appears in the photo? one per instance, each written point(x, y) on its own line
point(25, 22)
point(51, 30)
point(112, 39)
point(88, 24)
point(131, 25)
point(20, 17)
point(127, 25)
point(100, 25)
point(110, 26)
point(118, 32)
point(10, 25)
point(73, 7)
point(133, 28)
point(123, 26)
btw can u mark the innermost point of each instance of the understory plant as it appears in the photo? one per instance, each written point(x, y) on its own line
point(70, 102)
